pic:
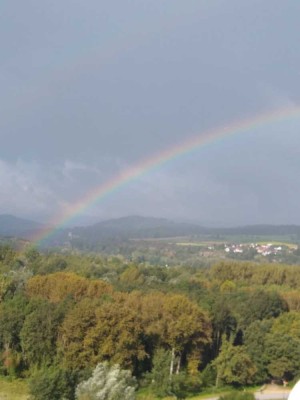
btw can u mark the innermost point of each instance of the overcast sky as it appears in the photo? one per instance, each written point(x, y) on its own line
point(90, 88)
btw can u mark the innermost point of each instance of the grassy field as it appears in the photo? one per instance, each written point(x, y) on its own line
point(145, 394)
point(292, 246)
point(13, 390)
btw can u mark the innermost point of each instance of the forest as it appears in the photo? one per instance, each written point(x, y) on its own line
point(68, 320)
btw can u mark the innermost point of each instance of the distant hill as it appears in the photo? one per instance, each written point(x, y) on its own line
point(265, 230)
point(117, 230)
point(133, 227)
point(17, 227)
point(138, 227)
point(148, 227)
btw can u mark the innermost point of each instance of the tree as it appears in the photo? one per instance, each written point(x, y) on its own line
point(234, 366)
point(39, 333)
point(107, 383)
point(160, 373)
point(118, 334)
point(75, 327)
point(282, 353)
point(7, 254)
point(12, 316)
point(187, 327)
point(223, 322)
point(261, 305)
point(288, 324)
point(177, 324)
point(52, 383)
point(56, 287)
point(255, 342)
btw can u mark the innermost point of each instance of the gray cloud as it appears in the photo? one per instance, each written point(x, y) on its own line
point(89, 89)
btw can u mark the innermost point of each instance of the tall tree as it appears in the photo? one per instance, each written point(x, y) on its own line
point(39, 333)
point(77, 323)
point(178, 324)
point(118, 333)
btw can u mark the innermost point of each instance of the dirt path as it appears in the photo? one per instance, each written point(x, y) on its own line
point(268, 392)
point(272, 392)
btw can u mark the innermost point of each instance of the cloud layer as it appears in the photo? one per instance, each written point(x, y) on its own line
point(89, 90)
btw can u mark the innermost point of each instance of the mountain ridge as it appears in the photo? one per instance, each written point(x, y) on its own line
point(138, 227)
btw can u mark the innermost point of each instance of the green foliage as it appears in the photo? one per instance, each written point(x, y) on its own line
point(223, 321)
point(234, 366)
point(208, 376)
point(288, 324)
point(282, 353)
point(164, 322)
point(12, 316)
point(52, 383)
point(255, 342)
point(159, 377)
point(7, 254)
point(39, 333)
point(274, 346)
point(261, 305)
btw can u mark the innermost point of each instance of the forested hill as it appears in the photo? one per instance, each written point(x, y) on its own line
point(146, 227)
point(140, 227)
point(136, 227)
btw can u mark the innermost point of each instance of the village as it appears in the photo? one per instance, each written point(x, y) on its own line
point(262, 249)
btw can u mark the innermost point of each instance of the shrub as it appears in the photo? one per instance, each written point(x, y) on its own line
point(107, 383)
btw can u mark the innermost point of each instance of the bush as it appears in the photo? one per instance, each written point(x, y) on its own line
point(107, 383)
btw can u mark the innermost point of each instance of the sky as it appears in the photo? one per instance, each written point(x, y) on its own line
point(92, 88)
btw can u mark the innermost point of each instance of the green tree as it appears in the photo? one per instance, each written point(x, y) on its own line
point(52, 383)
point(39, 333)
point(160, 374)
point(255, 342)
point(288, 324)
point(282, 353)
point(177, 324)
point(12, 316)
point(260, 305)
point(234, 366)
point(7, 254)
point(223, 323)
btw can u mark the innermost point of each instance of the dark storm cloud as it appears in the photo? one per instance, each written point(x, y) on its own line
point(88, 89)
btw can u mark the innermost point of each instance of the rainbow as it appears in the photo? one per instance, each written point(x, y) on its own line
point(157, 160)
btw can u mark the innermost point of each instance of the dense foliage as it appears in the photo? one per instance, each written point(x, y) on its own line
point(177, 329)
